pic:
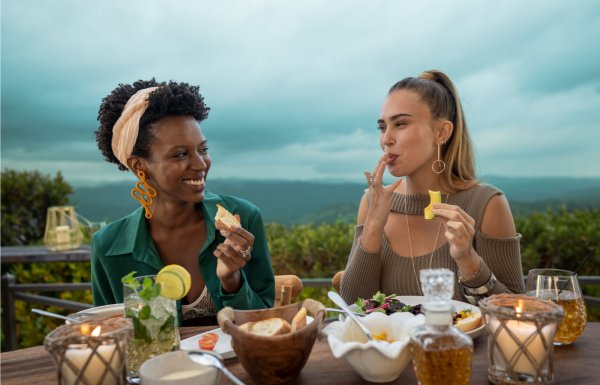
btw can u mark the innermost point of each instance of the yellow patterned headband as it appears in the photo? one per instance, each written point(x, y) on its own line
point(125, 130)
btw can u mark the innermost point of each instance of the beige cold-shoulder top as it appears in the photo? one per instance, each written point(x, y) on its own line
point(385, 271)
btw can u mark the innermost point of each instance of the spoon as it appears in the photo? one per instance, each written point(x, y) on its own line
point(335, 297)
point(207, 359)
point(49, 314)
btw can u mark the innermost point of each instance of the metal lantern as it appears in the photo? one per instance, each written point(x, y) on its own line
point(63, 231)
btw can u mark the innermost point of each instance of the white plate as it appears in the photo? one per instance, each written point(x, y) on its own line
point(223, 346)
point(458, 306)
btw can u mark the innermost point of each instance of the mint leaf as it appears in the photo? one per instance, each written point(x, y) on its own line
point(131, 282)
point(145, 312)
point(139, 331)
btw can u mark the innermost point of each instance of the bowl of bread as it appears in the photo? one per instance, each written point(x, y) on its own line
point(273, 345)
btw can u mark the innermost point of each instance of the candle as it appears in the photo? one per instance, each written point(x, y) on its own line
point(512, 348)
point(80, 355)
point(63, 234)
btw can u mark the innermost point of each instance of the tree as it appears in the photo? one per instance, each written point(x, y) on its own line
point(26, 196)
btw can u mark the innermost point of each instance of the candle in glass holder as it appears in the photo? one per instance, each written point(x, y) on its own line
point(520, 339)
point(523, 334)
point(88, 366)
point(91, 353)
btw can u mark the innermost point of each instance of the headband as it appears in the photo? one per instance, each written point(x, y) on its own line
point(125, 130)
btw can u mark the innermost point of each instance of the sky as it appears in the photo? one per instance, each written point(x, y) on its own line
point(296, 87)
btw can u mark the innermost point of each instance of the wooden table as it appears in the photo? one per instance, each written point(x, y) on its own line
point(575, 364)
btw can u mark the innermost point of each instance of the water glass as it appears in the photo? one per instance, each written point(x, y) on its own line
point(562, 288)
point(154, 326)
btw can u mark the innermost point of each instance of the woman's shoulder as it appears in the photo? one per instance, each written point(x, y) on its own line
point(105, 237)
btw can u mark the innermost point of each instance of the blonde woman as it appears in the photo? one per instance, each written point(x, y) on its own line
point(424, 137)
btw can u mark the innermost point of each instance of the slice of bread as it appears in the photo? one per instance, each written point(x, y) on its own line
point(270, 327)
point(299, 320)
point(471, 322)
point(224, 220)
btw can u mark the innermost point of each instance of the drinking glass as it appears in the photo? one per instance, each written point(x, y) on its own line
point(154, 326)
point(561, 287)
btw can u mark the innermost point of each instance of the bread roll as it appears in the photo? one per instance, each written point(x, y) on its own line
point(471, 322)
point(267, 327)
point(299, 320)
point(224, 220)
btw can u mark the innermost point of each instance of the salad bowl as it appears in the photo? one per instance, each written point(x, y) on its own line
point(383, 359)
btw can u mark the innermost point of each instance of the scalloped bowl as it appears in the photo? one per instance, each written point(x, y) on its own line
point(374, 361)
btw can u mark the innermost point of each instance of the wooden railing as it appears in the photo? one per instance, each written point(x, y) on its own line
point(13, 291)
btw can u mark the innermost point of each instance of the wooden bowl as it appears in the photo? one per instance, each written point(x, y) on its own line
point(277, 359)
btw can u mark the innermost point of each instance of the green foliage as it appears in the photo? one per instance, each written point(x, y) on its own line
point(32, 328)
point(26, 196)
point(560, 239)
point(309, 251)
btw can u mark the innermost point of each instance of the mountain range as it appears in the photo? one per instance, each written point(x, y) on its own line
point(297, 202)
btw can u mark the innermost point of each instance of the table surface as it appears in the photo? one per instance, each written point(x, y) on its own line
point(574, 364)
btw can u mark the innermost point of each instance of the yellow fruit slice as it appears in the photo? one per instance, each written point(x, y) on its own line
point(175, 281)
point(434, 197)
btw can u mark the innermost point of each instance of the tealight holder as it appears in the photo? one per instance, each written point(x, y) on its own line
point(92, 353)
point(62, 230)
point(520, 338)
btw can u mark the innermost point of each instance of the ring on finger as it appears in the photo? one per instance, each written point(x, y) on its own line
point(371, 181)
point(246, 253)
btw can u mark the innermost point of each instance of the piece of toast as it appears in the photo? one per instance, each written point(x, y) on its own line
point(267, 327)
point(299, 320)
point(224, 220)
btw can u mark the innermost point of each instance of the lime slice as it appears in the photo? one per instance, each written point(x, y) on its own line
point(175, 281)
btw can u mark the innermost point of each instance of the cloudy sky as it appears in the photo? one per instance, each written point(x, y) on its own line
point(296, 87)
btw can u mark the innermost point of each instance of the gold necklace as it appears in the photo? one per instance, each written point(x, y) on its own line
point(412, 256)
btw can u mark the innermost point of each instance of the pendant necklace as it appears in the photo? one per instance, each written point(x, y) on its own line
point(412, 256)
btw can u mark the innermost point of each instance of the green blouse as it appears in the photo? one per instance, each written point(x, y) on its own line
point(126, 245)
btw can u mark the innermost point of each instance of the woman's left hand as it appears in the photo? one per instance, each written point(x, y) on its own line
point(233, 254)
point(459, 230)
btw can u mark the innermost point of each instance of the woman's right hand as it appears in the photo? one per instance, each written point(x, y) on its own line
point(378, 207)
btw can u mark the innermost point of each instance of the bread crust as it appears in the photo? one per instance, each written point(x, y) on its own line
point(299, 320)
point(472, 322)
point(224, 220)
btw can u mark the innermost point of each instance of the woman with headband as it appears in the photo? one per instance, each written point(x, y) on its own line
point(424, 138)
point(152, 130)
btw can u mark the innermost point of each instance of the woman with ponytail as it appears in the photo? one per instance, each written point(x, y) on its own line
point(426, 146)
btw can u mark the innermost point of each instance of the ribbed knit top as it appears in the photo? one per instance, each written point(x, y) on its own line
point(385, 271)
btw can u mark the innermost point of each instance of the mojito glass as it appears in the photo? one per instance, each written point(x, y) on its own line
point(154, 321)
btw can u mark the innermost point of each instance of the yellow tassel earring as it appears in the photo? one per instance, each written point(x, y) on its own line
point(144, 193)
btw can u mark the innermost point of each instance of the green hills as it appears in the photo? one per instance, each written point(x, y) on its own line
point(295, 202)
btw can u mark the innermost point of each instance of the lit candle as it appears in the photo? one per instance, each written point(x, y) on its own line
point(63, 234)
point(79, 355)
point(522, 331)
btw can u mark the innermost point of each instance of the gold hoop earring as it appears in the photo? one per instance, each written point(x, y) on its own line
point(144, 193)
point(438, 166)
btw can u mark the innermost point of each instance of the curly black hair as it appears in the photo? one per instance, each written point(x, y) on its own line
point(170, 99)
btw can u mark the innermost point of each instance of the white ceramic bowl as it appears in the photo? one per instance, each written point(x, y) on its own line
point(374, 361)
point(175, 368)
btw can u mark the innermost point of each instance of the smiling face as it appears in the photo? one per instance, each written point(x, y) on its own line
point(407, 134)
point(179, 160)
